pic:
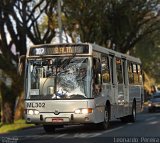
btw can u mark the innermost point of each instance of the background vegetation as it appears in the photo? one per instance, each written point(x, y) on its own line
point(124, 25)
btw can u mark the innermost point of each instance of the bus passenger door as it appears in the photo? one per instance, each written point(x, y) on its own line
point(120, 97)
point(125, 85)
point(126, 93)
point(113, 91)
point(97, 89)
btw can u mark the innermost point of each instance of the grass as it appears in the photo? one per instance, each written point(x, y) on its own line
point(20, 124)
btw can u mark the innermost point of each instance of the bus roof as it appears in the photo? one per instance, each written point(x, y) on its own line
point(114, 53)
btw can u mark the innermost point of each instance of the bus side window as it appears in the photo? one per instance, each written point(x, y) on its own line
point(130, 73)
point(124, 70)
point(140, 79)
point(119, 71)
point(105, 69)
point(135, 73)
point(97, 71)
point(97, 77)
point(112, 70)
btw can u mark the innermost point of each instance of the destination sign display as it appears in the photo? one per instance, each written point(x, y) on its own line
point(65, 50)
point(58, 49)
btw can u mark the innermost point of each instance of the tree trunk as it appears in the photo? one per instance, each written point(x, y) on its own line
point(19, 109)
point(7, 113)
point(8, 103)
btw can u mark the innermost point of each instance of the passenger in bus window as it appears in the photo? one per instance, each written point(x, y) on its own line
point(82, 72)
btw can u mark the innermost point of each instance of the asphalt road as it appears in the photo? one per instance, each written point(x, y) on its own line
point(145, 130)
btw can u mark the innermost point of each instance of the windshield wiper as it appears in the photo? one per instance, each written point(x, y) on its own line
point(68, 60)
point(77, 96)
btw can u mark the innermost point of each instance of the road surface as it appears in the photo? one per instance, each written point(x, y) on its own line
point(145, 130)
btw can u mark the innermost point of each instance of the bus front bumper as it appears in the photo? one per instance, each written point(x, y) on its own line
point(62, 118)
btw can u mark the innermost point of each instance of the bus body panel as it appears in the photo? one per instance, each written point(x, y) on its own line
point(135, 92)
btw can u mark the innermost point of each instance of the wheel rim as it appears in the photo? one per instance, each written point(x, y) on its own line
point(134, 113)
point(106, 116)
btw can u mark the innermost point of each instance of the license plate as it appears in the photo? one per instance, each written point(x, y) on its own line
point(57, 120)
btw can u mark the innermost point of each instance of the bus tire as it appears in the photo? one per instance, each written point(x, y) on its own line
point(132, 117)
point(105, 124)
point(49, 128)
point(124, 119)
point(151, 110)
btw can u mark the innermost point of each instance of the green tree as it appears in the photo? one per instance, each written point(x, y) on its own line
point(20, 19)
point(90, 17)
point(149, 50)
point(123, 22)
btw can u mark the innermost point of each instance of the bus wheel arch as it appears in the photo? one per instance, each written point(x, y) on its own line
point(107, 114)
point(108, 107)
point(132, 117)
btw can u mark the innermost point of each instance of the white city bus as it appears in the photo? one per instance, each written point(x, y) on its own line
point(81, 84)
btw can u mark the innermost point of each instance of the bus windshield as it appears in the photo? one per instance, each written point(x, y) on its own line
point(59, 78)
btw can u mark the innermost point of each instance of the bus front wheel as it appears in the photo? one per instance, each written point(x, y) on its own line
point(105, 124)
point(49, 128)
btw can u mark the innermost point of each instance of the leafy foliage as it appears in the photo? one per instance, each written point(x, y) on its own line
point(20, 19)
point(117, 24)
point(149, 50)
point(123, 22)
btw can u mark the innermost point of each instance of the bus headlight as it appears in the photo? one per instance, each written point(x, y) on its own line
point(78, 111)
point(36, 112)
point(149, 104)
point(30, 112)
point(84, 111)
point(33, 112)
